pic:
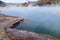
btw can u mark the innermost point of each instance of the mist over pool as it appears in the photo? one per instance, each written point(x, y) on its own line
point(45, 20)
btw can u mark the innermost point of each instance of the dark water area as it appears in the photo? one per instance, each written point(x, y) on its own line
point(45, 20)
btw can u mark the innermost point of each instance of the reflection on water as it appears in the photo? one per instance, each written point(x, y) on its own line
point(44, 20)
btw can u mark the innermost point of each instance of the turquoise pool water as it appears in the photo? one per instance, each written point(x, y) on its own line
point(45, 20)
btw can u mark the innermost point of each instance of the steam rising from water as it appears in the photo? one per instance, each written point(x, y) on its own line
point(48, 17)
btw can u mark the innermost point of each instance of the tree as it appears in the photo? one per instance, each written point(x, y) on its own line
point(2, 3)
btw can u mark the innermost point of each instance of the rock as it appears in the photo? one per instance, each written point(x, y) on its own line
point(5, 21)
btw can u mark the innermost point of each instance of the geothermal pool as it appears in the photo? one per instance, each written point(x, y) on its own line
point(45, 20)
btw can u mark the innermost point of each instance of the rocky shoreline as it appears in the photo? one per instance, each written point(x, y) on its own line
point(5, 21)
point(8, 31)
